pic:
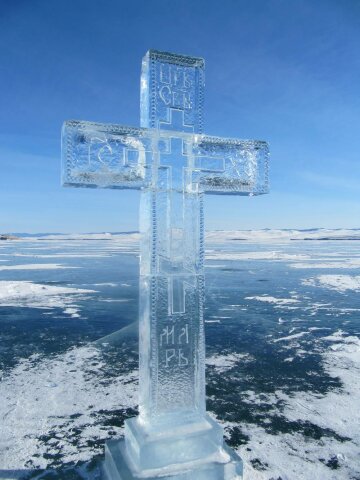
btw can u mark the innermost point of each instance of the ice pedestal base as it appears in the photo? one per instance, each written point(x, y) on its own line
point(118, 467)
point(194, 451)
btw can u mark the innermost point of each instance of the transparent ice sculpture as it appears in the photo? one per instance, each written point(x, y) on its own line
point(174, 165)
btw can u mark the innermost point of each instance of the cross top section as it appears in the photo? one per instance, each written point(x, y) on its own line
point(172, 84)
point(172, 97)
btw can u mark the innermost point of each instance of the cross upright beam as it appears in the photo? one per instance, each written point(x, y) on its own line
point(173, 164)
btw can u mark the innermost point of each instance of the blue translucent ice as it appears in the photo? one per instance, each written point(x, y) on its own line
point(173, 164)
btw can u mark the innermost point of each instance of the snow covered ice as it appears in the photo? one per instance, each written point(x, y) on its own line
point(286, 391)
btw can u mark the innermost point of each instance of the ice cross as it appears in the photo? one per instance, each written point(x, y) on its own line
point(173, 164)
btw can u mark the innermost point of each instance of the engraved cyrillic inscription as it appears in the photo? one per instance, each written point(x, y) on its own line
point(113, 152)
point(100, 151)
point(175, 76)
point(174, 336)
point(183, 361)
point(170, 354)
point(175, 357)
point(175, 86)
point(167, 336)
point(171, 337)
point(184, 335)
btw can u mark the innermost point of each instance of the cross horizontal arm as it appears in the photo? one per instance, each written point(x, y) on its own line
point(103, 155)
point(114, 156)
point(225, 166)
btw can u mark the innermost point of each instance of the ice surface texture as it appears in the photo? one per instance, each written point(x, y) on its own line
point(173, 165)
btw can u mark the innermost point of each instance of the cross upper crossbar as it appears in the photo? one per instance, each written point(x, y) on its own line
point(114, 156)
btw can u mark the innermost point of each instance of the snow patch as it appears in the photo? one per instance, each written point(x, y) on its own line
point(340, 283)
point(61, 399)
point(346, 263)
point(36, 295)
point(274, 300)
point(36, 266)
point(290, 337)
point(337, 411)
point(222, 363)
point(223, 255)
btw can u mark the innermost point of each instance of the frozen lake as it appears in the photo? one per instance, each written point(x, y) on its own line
point(283, 353)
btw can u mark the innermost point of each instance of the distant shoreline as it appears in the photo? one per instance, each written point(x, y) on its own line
point(329, 239)
point(5, 237)
point(214, 236)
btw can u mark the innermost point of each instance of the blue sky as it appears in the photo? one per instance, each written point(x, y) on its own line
point(283, 71)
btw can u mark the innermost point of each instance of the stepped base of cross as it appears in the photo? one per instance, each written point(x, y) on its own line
point(193, 451)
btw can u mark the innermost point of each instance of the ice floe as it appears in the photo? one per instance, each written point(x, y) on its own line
point(225, 362)
point(290, 337)
point(271, 235)
point(340, 283)
point(274, 300)
point(36, 295)
point(336, 264)
point(262, 255)
point(35, 266)
point(63, 255)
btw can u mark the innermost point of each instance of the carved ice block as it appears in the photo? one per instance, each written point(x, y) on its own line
point(182, 443)
point(173, 165)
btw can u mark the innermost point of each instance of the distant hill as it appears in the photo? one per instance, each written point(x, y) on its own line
point(318, 234)
point(284, 234)
point(71, 235)
point(5, 236)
